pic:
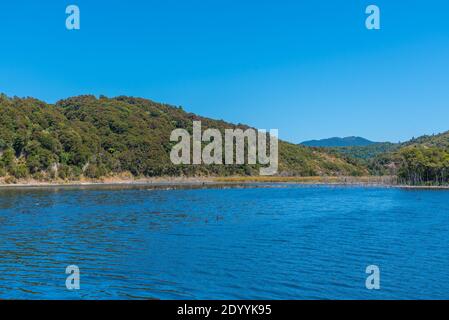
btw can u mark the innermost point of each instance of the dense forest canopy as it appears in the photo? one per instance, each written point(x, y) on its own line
point(90, 137)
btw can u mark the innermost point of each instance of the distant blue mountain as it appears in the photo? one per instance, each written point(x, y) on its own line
point(339, 142)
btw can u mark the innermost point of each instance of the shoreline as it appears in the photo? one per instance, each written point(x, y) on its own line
point(172, 182)
point(108, 182)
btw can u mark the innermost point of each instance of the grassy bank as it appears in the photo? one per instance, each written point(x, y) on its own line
point(187, 182)
point(388, 181)
point(368, 180)
point(381, 180)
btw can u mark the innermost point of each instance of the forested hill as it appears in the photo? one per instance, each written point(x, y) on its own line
point(93, 137)
point(436, 140)
point(364, 153)
point(424, 160)
point(420, 161)
point(339, 142)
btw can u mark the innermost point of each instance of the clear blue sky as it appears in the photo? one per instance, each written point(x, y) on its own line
point(309, 68)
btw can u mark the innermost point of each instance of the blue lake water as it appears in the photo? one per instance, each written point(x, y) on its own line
point(275, 242)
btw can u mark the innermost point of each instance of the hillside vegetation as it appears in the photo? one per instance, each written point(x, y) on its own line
point(89, 137)
point(365, 152)
point(339, 142)
point(423, 161)
point(420, 161)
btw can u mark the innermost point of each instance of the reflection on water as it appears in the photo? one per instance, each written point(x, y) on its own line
point(289, 242)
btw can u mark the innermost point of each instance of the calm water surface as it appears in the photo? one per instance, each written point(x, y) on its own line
point(279, 242)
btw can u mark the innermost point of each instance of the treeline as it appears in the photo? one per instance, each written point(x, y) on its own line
point(93, 137)
point(414, 164)
point(422, 165)
point(420, 161)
